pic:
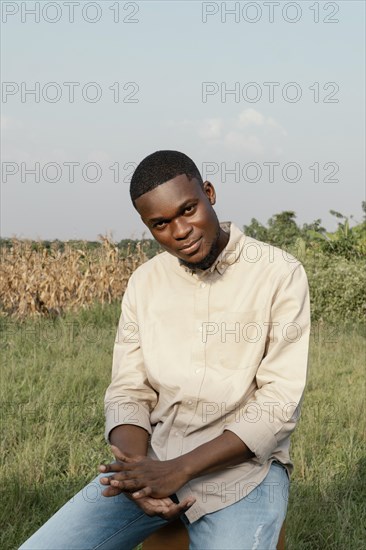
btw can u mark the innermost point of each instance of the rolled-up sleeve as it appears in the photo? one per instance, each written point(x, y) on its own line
point(129, 399)
point(271, 414)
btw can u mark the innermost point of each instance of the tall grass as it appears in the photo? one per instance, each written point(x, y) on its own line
point(38, 281)
point(46, 279)
point(54, 375)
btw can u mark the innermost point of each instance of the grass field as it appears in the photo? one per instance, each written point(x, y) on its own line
point(53, 378)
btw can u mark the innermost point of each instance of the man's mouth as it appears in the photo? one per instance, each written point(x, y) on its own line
point(192, 247)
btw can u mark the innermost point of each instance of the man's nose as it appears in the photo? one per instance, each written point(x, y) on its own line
point(181, 229)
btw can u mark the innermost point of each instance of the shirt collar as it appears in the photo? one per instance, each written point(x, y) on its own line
point(229, 254)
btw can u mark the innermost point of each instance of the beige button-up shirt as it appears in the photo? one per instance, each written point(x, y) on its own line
point(197, 353)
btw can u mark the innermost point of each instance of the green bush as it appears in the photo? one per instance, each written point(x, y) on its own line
point(337, 287)
point(334, 262)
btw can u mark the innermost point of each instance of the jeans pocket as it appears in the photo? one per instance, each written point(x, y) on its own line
point(279, 464)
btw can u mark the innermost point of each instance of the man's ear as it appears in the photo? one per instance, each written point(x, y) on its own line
point(209, 191)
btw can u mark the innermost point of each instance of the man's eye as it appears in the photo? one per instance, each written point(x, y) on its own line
point(189, 208)
point(159, 225)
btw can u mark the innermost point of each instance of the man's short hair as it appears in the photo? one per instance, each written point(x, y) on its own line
point(160, 167)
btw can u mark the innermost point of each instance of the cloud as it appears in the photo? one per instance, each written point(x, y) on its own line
point(8, 123)
point(250, 117)
point(100, 156)
point(250, 132)
point(240, 142)
point(274, 124)
point(211, 129)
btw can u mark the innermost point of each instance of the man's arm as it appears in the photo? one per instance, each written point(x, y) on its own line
point(128, 402)
point(131, 440)
point(225, 450)
point(147, 477)
point(129, 398)
point(270, 416)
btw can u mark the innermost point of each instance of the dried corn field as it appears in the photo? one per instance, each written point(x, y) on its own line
point(40, 281)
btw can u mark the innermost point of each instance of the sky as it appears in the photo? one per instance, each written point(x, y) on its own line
point(267, 98)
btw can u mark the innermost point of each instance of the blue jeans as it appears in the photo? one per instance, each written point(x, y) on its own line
point(90, 521)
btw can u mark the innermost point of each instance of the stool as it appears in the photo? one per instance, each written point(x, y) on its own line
point(174, 536)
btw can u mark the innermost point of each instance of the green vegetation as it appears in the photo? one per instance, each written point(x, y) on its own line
point(125, 246)
point(346, 242)
point(334, 262)
point(54, 376)
point(55, 372)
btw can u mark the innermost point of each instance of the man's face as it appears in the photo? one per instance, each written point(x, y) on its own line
point(180, 217)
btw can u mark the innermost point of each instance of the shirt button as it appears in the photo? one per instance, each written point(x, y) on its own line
point(197, 371)
point(200, 329)
point(203, 285)
point(190, 402)
point(176, 433)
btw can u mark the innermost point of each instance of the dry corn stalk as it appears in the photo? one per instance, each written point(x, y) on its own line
point(37, 281)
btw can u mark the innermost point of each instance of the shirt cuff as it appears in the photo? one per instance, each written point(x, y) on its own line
point(257, 437)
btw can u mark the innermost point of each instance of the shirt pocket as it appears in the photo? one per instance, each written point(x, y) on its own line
point(236, 339)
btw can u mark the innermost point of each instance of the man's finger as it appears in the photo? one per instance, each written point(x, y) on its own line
point(177, 509)
point(187, 503)
point(125, 484)
point(112, 467)
point(145, 492)
point(111, 491)
point(121, 456)
point(105, 480)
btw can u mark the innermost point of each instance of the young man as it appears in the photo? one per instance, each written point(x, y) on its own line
point(209, 369)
